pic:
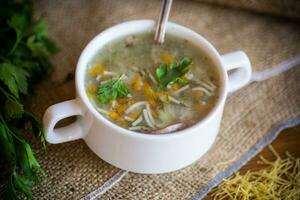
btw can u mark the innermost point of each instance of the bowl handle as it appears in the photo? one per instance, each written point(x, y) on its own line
point(239, 63)
point(61, 111)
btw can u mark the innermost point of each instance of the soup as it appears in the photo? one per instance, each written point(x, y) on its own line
point(146, 87)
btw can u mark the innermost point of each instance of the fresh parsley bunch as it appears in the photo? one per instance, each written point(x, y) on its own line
point(24, 52)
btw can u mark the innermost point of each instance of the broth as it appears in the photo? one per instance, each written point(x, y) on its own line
point(144, 87)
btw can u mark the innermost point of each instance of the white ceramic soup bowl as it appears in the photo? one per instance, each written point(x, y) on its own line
point(139, 152)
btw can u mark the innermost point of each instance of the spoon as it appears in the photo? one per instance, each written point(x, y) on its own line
point(159, 39)
point(162, 21)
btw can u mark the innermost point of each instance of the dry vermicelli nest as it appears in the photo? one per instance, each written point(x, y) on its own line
point(279, 180)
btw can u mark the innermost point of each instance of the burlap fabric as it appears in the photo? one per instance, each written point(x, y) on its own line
point(286, 8)
point(73, 170)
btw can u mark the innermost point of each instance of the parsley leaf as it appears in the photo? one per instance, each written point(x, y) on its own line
point(18, 22)
point(172, 72)
point(36, 126)
point(22, 183)
point(39, 29)
point(40, 47)
point(13, 107)
point(33, 163)
point(111, 90)
point(14, 78)
point(161, 71)
point(7, 147)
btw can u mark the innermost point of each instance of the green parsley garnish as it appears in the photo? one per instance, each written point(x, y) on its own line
point(111, 90)
point(25, 49)
point(172, 72)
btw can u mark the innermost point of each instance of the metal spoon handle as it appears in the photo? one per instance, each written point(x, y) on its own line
point(162, 21)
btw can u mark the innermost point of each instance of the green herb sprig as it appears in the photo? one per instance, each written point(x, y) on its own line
point(25, 49)
point(111, 90)
point(172, 72)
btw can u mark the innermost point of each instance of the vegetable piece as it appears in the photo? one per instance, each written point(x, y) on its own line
point(148, 92)
point(96, 70)
point(22, 184)
point(167, 58)
point(91, 89)
point(137, 82)
point(113, 115)
point(122, 100)
point(24, 53)
point(120, 108)
point(111, 90)
point(181, 80)
point(133, 115)
point(15, 78)
point(161, 71)
point(175, 86)
point(152, 103)
point(154, 114)
point(172, 72)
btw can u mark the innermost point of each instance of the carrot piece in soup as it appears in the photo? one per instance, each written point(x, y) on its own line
point(148, 92)
point(152, 103)
point(175, 86)
point(90, 95)
point(167, 58)
point(123, 123)
point(133, 115)
point(91, 90)
point(92, 87)
point(137, 83)
point(96, 70)
point(130, 102)
point(113, 115)
point(122, 100)
point(120, 108)
point(154, 114)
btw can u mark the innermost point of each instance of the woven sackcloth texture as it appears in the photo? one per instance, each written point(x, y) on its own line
point(73, 170)
point(286, 8)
